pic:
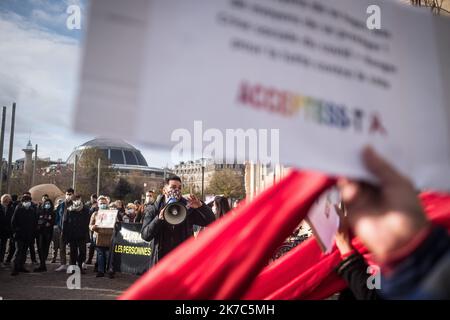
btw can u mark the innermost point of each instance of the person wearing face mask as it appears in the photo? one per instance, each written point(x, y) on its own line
point(61, 216)
point(130, 213)
point(46, 220)
point(24, 226)
point(102, 238)
point(92, 208)
point(56, 232)
point(34, 241)
point(75, 233)
point(165, 236)
point(45, 197)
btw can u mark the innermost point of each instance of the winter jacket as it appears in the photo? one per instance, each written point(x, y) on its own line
point(60, 210)
point(24, 223)
point(76, 225)
point(4, 225)
point(165, 236)
point(353, 270)
point(46, 219)
point(6, 214)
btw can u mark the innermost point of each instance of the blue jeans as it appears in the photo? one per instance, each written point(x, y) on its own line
point(102, 258)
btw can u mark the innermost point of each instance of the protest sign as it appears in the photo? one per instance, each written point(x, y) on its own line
point(313, 73)
point(106, 218)
point(324, 220)
point(130, 254)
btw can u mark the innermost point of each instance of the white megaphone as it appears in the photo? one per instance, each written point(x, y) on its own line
point(174, 211)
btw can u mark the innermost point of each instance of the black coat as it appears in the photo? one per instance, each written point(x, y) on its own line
point(4, 225)
point(45, 216)
point(76, 225)
point(354, 271)
point(8, 215)
point(165, 236)
point(24, 223)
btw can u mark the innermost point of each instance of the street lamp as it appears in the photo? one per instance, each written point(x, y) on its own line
point(203, 178)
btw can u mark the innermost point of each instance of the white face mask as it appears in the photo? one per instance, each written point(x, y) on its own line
point(27, 204)
point(77, 203)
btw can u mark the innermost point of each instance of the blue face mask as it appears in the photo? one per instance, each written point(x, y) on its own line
point(47, 206)
point(103, 206)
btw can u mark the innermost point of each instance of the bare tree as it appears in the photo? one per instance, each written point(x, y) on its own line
point(436, 6)
point(228, 183)
point(87, 173)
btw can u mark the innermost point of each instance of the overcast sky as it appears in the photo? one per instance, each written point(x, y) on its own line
point(39, 62)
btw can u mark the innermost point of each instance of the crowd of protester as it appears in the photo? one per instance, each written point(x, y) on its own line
point(69, 228)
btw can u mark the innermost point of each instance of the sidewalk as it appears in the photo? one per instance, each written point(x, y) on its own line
point(52, 285)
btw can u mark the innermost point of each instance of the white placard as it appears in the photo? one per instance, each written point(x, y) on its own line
point(106, 218)
point(311, 69)
point(324, 220)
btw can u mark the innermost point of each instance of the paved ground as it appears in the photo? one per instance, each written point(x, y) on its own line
point(52, 285)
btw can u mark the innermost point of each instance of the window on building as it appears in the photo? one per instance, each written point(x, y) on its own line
point(117, 156)
point(130, 158)
point(141, 159)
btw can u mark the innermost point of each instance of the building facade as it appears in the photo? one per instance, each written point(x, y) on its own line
point(259, 177)
point(190, 173)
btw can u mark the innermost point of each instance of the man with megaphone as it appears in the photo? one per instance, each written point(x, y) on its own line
point(170, 220)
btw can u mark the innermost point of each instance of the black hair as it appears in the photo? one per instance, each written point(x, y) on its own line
point(176, 178)
point(14, 197)
point(94, 195)
point(27, 193)
point(222, 206)
point(25, 198)
point(48, 200)
point(77, 196)
point(70, 190)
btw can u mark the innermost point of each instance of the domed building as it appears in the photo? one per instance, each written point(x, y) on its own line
point(119, 152)
point(124, 157)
